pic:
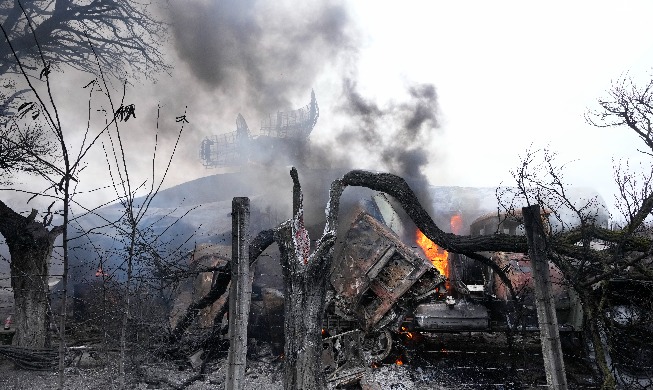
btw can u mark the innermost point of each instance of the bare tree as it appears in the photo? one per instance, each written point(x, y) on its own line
point(33, 255)
point(63, 186)
point(24, 147)
point(30, 245)
point(629, 105)
point(621, 318)
point(603, 263)
point(125, 35)
point(97, 36)
point(135, 240)
point(29, 258)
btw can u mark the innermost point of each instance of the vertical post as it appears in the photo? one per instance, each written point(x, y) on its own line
point(239, 294)
point(546, 313)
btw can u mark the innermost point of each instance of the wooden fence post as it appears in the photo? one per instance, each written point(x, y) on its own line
point(240, 294)
point(554, 365)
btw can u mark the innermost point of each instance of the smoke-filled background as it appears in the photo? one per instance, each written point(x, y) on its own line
point(254, 58)
point(445, 94)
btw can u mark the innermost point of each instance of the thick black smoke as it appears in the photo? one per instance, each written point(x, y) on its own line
point(265, 52)
point(251, 57)
point(255, 57)
point(395, 137)
point(397, 134)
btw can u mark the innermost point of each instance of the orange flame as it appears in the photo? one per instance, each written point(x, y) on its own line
point(399, 362)
point(100, 272)
point(437, 255)
point(404, 330)
point(456, 223)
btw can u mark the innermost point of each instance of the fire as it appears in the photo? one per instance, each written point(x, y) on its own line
point(437, 255)
point(408, 334)
point(456, 223)
point(399, 362)
point(100, 272)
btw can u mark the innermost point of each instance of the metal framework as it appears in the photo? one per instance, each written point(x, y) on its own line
point(234, 148)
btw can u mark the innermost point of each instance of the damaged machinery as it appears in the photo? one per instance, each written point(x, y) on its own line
point(384, 290)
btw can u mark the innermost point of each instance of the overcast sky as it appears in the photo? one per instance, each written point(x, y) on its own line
point(454, 91)
point(510, 74)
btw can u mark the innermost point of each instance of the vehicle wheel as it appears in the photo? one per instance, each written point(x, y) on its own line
point(376, 346)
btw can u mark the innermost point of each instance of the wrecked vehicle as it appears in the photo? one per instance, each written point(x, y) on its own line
point(384, 290)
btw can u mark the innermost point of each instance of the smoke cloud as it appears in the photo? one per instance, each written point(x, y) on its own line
point(260, 53)
point(393, 138)
point(255, 57)
point(397, 134)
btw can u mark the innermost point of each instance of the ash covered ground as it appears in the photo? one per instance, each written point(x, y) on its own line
point(446, 361)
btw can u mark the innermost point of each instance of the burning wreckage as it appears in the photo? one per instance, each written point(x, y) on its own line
point(385, 292)
point(390, 287)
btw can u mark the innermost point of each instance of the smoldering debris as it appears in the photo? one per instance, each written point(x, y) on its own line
point(470, 361)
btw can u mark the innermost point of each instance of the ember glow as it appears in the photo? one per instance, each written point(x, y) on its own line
point(437, 255)
point(456, 223)
point(408, 334)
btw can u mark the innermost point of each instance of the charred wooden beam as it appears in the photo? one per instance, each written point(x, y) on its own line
point(263, 239)
point(397, 187)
